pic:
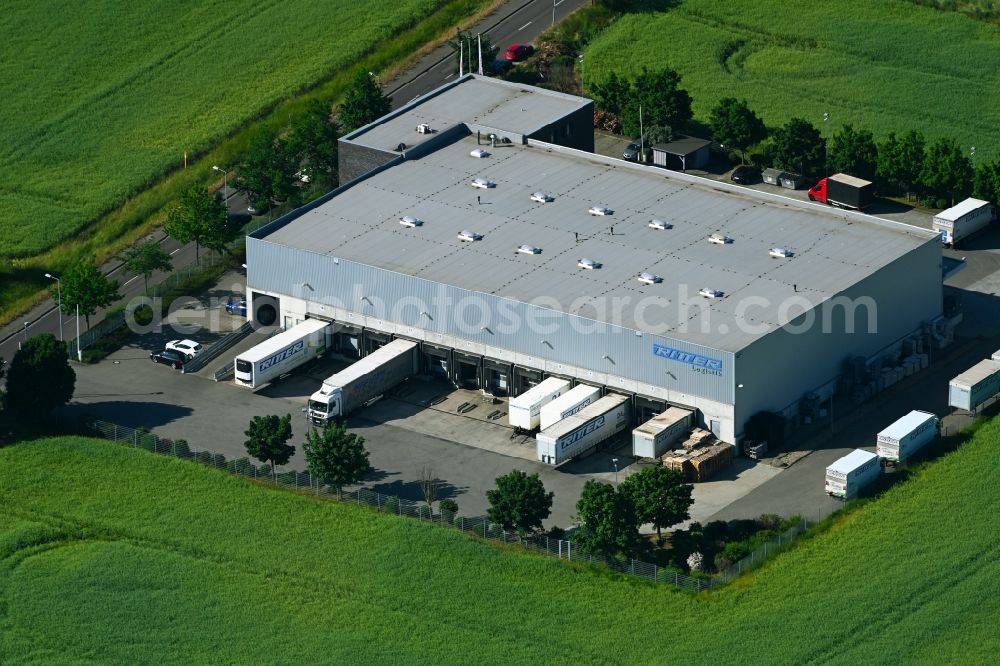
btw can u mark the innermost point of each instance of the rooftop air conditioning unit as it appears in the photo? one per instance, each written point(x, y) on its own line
point(589, 264)
point(542, 197)
point(649, 278)
point(466, 235)
point(600, 210)
point(410, 221)
point(719, 239)
point(710, 293)
point(424, 128)
point(660, 225)
point(483, 183)
point(529, 249)
point(780, 252)
point(479, 152)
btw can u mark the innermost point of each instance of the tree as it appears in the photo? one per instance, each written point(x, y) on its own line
point(607, 520)
point(267, 439)
point(658, 134)
point(200, 217)
point(39, 379)
point(661, 496)
point(84, 285)
point(519, 502)
point(734, 124)
point(947, 171)
point(661, 101)
point(429, 485)
point(144, 259)
point(267, 171)
point(612, 95)
point(364, 102)
point(987, 182)
point(900, 161)
point(314, 140)
point(466, 47)
point(854, 152)
point(335, 456)
point(798, 146)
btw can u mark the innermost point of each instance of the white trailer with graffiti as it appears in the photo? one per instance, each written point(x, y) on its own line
point(282, 353)
point(583, 431)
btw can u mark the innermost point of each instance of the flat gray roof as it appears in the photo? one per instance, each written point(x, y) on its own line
point(472, 100)
point(832, 249)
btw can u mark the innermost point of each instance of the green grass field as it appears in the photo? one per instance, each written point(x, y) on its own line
point(100, 100)
point(110, 554)
point(885, 65)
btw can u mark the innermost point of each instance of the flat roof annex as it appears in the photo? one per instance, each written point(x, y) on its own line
point(832, 249)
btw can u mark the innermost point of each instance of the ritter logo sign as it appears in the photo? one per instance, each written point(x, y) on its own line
point(704, 364)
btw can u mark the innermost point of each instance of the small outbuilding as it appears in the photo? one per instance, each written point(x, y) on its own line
point(685, 153)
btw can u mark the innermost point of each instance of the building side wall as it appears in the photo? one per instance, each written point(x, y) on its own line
point(575, 130)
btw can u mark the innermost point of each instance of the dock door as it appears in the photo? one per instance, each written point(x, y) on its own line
point(436, 361)
point(496, 377)
point(468, 370)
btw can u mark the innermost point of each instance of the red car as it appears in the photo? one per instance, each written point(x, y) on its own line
point(518, 52)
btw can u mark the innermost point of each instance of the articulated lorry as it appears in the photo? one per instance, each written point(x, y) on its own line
point(371, 376)
point(843, 191)
point(583, 431)
point(848, 475)
point(567, 404)
point(959, 222)
point(907, 435)
point(525, 410)
point(282, 353)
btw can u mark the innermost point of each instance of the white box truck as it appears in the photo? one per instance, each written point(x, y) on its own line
point(282, 353)
point(963, 220)
point(580, 432)
point(567, 404)
point(847, 476)
point(653, 438)
point(975, 386)
point(355, 385)
point(907, 435)
point(525, 411)
point(996, 355)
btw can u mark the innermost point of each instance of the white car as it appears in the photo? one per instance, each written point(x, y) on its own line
point(189, 348)
point(303, 176)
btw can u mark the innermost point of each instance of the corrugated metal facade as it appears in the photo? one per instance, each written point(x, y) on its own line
point(486, 319)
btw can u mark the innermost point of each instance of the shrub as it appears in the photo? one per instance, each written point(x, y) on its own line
point(181, 448)
point(391, 505)
point(448, 505)
point(424, 512)
point(144, 439)
point(204, 457)
point(219, 460)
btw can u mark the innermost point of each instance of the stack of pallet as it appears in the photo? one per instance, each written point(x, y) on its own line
point(710, 460)
point(699, 457)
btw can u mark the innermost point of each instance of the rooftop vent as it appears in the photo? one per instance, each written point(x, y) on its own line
point(710, 293)
point(589, 264)
point(780, 252)
point(479, 152)
point(542, 197)
point(600, 210)
point(466, 235)
point(400, 147)
point(529, 249)
point(649, 278)
point(424, 128)
point(483, 183)
point(720, 239)
point(660, 225)
point(410, 221)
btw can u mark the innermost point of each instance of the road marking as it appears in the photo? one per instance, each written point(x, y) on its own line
point(175, 252)
point(446, 78)
point(525, 25)
point(556, 4)
point(132, 280)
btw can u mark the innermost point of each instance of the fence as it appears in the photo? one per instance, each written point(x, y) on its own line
point(477, 526)
point(218, 348)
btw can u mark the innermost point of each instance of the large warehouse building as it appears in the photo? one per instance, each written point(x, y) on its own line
point(478, 222)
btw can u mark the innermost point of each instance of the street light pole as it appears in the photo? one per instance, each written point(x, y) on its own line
point(225, 184)
point(826, 142)
point(615, 463)
point(79, 352)
point(59, 296)
point(26, 325)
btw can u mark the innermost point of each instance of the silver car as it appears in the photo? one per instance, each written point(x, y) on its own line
point(631, 153)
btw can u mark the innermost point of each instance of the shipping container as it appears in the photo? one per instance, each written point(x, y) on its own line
point(584, 430)
point(567, 404)
point(907, 435)
point(653, 438)
point(963, 220)
point(525, 411)
point(975, 386)
point(345, 391)
point(281, 353)
point(846, 477)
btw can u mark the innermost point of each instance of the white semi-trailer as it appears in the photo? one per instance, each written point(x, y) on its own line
point(975, 386)
point(581, 432)
point(567, 404)
point(907, 435)
point(996, 355)
point(525, 410)
point(653, 438)
point(282, 353)
point(371, 376)
point(846, 477)
point(963, 220)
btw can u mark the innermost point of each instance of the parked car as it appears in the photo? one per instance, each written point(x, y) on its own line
point(631, 153)
point(746, 173)
point(237, 308)
point(189, 348)
point(169, 357)
point(498, 67)
point(518, 52)
point(303, 176)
